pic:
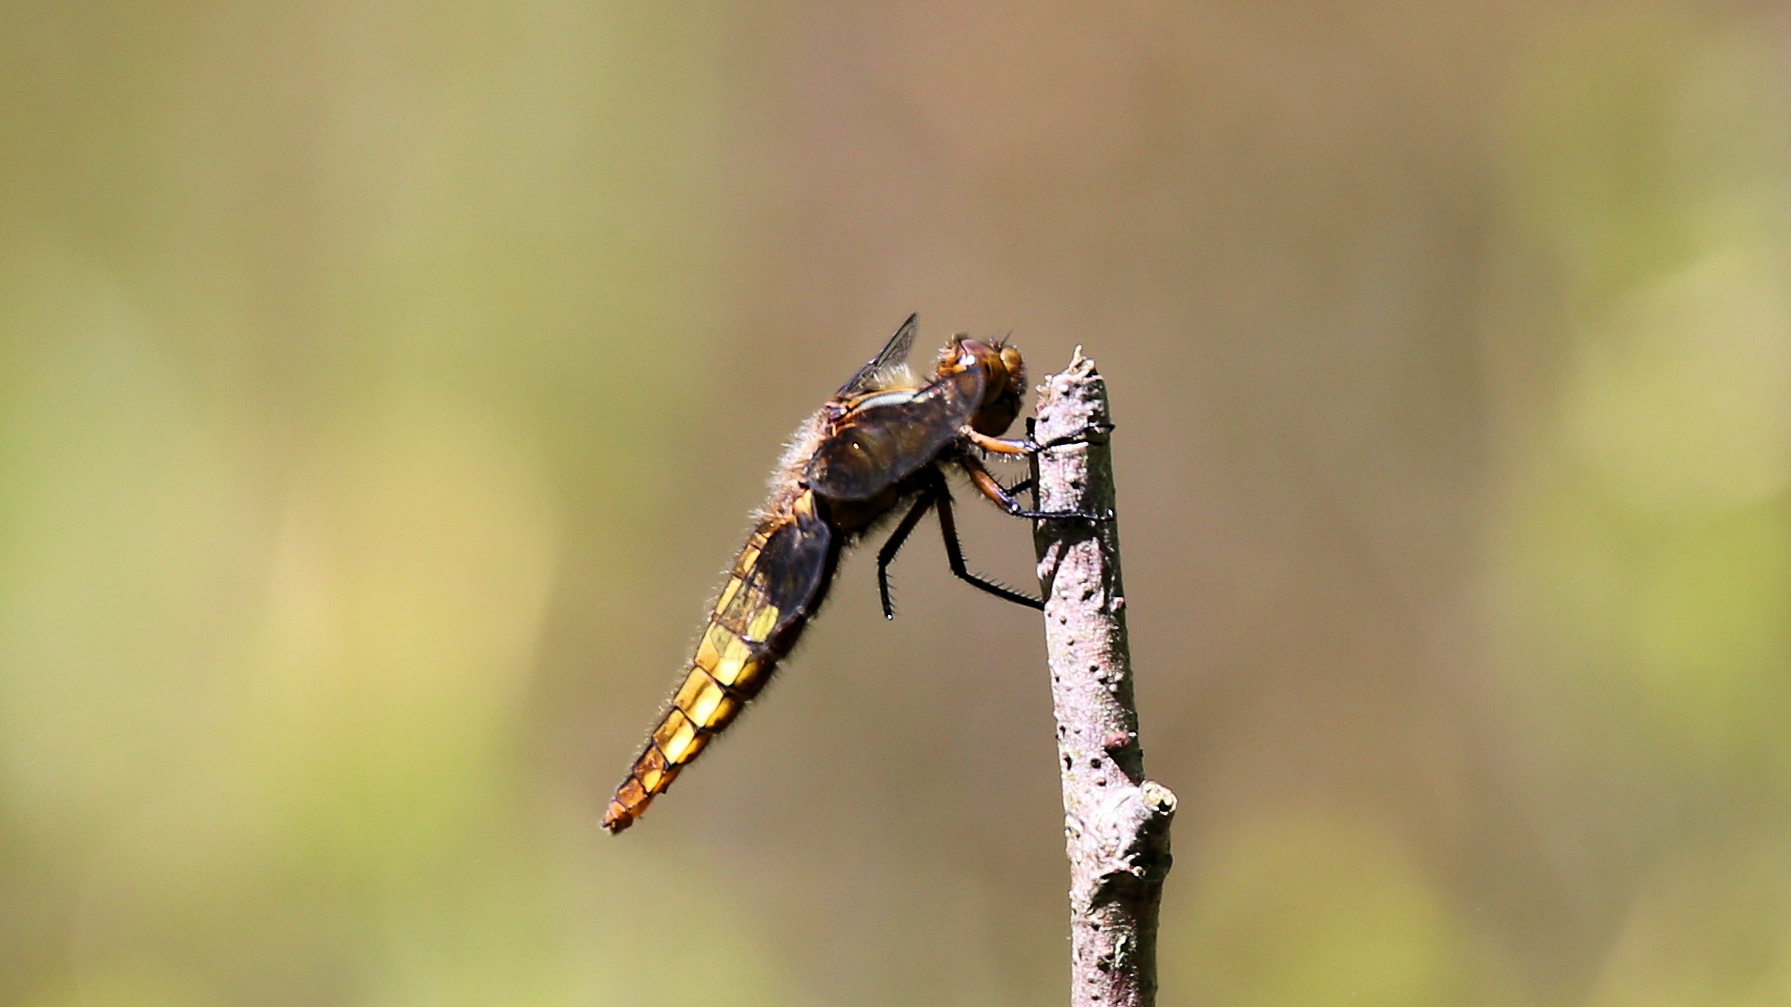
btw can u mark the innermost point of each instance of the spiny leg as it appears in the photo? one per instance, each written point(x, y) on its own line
point(990, 487)
point(1024, 485)
point(887, 554)
point(954, 556)
point(1028, 484)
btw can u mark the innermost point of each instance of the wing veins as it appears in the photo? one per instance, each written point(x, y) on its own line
point(893, 354)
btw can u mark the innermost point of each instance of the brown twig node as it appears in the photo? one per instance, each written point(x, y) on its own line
point(1116, 822)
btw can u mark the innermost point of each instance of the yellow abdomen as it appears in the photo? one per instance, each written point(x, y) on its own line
point(733, 660)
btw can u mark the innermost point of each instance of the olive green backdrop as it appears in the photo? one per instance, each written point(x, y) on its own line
point(383, 387)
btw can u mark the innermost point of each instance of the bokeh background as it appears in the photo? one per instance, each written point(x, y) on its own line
point(384, 385)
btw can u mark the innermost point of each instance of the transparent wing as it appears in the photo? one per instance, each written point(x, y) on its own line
point(893, 353)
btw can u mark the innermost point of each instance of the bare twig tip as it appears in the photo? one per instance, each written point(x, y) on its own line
point(1160, 798)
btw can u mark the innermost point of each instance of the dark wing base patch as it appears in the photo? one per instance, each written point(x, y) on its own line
point(890, 437)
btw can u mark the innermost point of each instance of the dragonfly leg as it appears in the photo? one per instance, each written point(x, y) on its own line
point(887, 554)
point(1026, 445)
point(1099, 432)
point(990, 487)
point(1001, 445)
point(954, 555)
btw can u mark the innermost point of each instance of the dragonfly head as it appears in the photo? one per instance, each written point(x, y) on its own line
point(1004, 380)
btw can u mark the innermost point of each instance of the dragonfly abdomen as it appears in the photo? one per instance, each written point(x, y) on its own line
point(753, 624)
point(727, 672)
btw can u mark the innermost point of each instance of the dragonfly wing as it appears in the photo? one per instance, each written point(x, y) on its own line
point(894, 353)
point(887, 437)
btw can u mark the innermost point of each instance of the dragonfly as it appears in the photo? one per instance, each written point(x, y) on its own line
point(883, 441)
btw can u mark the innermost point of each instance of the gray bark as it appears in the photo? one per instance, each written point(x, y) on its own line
point(1116, 822)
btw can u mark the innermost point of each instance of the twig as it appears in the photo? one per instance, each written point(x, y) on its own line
point(1116, 822)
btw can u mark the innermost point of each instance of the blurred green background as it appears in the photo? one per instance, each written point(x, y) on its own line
point(383, 387)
